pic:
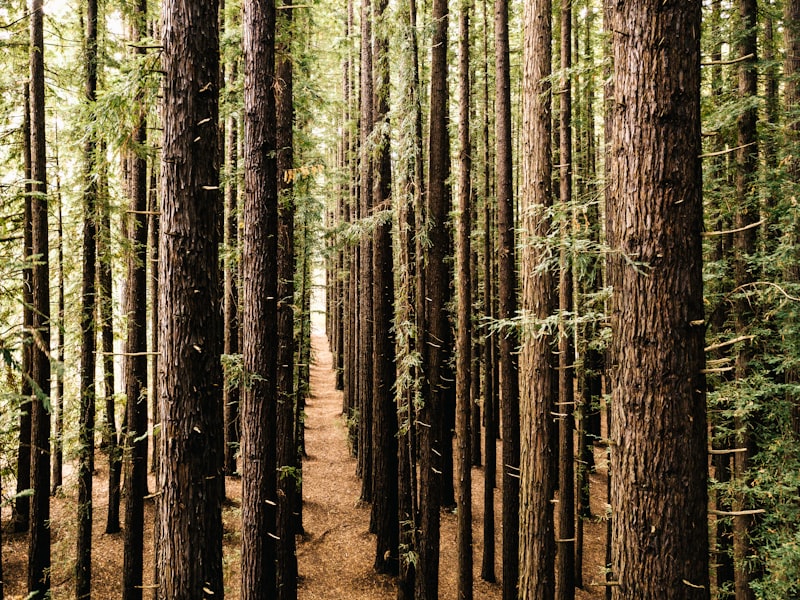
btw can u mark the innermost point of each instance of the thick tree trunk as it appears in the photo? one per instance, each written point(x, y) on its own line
point(435, 296)
point(189, 557)
point(83, 563)
point(464, 589)
point(507, 297)
point(654, 217)
point(384, 419)
point(259, 352)
point(288, 473)
point(536, 544)
point(39, 541)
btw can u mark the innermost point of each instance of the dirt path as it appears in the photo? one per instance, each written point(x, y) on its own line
point(335, 557)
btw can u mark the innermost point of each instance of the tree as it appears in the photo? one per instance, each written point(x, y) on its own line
point(22, 505)
point(189, 507)
point(654, 221)
point(83, 565)
point(464, 325)
point(135, 360)
point(565, 542)
point(384, 418)
point(536, 544)
point(288, 472)
point(260, 276)
point(39, 542)
point(436, 333)
point(507, 298)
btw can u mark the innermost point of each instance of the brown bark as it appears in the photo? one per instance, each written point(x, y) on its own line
point(464, 324)
point(259, 353)
point(58, 394)
point(507, 296)
point(189, 557)
point(384, 418)
point(654, 221)
point(135, 362)
point(83, 564)
point(436, 334)
point(288, 473)
point(565, 539)
point(39, 541)
point(536, 544)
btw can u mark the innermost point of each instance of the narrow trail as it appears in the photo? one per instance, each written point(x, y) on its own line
point(336, 554)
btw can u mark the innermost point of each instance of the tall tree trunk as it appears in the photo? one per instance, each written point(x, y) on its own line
point(654, 217)
point(384, 418)
point(135, 359)
point(489, 343)
point(260, 318)
point(152, 259)
point(565, 542)
point(39, 541)
point(464, 324)
point(436, 334)
point(288, 474)
point(744, 243)
point(83, 564)
point(536, 547)
point(58, 396)
point(365, 358)
point(22, 504)
point(105, 312)
point(507, 297)
point(189, 560)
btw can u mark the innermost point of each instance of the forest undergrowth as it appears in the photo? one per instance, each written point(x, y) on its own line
point(335, 553)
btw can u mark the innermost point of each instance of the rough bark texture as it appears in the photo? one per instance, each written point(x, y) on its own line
point(536, 546)
point(365, 326)
point(288, 473)
point(744, 247)
point(384, 419)
point(83, 563)
point(135, 360)
point(39, 541)
point(189, 557)
point(58, 393)
point(507, 297)
point(654, 222)
point(463, 462)
point(437, 327)
point(260, 287)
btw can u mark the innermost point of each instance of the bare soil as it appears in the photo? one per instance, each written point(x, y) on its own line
point(335, 555)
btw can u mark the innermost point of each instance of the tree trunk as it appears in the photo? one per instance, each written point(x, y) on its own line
point(384, 418)
point(464, 589)
point(58, 396)
point(436, 333)
point(365, 358)
point(39, 541)
point(536, 547)
point(654, 217)
point(288, 473)
point(135, 360)
point(565, 539)
point(507, 297)
point(192, 482)
point(83, 564)
point(22, 504)
point(260, 316)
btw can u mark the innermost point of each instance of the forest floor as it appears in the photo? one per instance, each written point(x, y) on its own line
point(336, 553)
